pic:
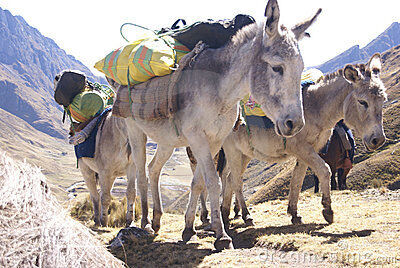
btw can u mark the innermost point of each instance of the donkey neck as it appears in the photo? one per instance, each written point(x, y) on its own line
point(232, 62)
point(326, 100)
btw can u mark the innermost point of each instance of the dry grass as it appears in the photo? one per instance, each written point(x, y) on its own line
point(365, 232)
point(82, 210)
point(35, 231)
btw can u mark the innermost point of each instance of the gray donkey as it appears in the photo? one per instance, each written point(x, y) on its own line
point(355, 93)
point(113, 158)
point(261, 59)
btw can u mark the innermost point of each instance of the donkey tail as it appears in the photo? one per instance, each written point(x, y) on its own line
point(221, 162)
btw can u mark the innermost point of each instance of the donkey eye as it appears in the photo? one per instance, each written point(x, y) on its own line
point(278, 69)
point(363, 103)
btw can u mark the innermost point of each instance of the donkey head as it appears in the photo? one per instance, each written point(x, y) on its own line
point(363, 106)
point(276, 72)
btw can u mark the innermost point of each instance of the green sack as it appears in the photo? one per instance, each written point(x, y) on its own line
point(86, 105)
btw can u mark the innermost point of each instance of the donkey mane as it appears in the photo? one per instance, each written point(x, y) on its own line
point(245, 34)
point(376, 85)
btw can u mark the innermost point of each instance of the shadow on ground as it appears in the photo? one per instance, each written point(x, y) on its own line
point(249, 237)
point(147, 253)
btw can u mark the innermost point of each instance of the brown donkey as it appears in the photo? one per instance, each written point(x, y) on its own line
point(340, 161)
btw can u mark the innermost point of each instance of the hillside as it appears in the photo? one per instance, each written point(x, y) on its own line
point(30, 119)
point(386, 40)
point(28, 63)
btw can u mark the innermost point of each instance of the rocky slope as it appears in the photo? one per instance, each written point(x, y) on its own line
point(28, 63)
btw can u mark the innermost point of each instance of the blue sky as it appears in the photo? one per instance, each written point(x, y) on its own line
point(90, 29)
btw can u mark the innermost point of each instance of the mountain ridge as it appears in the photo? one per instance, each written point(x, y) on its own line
point(29, 62)
point(384, 41)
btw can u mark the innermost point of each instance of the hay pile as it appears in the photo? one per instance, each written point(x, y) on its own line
point(35, 230)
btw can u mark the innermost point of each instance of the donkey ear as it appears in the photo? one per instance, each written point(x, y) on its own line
point(374, 64)
point(352, 74)
point(299, 29)
point(272, 13)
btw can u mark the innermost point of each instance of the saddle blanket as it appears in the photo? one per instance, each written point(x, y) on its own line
point(88, 147)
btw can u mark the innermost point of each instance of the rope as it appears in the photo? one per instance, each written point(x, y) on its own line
point(130, 93)
point(136, 25)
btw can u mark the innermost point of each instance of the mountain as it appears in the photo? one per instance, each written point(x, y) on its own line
point(30, 119)
point(386, 40)
point(29, 62)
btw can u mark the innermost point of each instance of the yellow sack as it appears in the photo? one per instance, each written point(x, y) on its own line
point(144, 58)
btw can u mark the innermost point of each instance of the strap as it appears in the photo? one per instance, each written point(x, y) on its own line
point(175, 24)
point(63, 120)
point(130, 93)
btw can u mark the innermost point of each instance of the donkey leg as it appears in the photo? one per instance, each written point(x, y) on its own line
point(204, 212)
point(227, 192)
point(197, 187)
point(296, 182)
point(137, 141)
point(203, 196)
point(90, 180)
point(106, 182)
point(236, 208)
point(162, 155)
point(344, 178)
point(316, 184)
point(248, 220)
point(203, 153)
point(238, 184)
point(130, 194)
point(342, 174)
point(334, 185)
point(323, 172)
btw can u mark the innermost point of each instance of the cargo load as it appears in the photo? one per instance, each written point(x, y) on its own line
point(143, 59)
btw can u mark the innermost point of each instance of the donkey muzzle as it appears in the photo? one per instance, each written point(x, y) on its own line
point(290, 126)
point(374, 141)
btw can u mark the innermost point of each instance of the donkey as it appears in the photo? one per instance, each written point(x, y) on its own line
point(355, 94)
point(261, 59)
point(113, 158)
point(339, 160)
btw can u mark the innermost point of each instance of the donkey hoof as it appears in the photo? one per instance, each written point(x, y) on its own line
point(103, 222)
point(204, 219)
point(187, 234)
point(156, 227)
point(224, 242)
point(149, 229)
point(296, 220)
point(128, 223)
point(249, 222)
point(328, 215)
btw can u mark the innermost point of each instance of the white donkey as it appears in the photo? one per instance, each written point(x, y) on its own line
point(261, 59)
point(355, 93)
point(113, 158)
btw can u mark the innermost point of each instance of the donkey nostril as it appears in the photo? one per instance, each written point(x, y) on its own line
point(289, 124)
point(375, 141)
